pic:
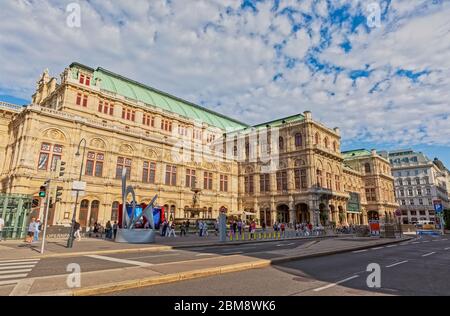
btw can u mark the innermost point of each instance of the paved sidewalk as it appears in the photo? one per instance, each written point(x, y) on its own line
point(15, 249)
point(107, 281)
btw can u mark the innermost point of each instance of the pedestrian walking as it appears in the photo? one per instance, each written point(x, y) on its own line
point(37, 229)
point(2, 224)
point(205, 230)
point(183, 229)
point(77, 228)
point(200, 228)
point(216, 228)
point(108, 230)
point(115, 226)
point(263, 226)
point(172, 229)
point(30, 232)
point(252, 229)
point(283, 228)
point(188, 223)
point(239, 227)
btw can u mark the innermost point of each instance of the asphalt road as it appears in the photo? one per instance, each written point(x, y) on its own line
point(420, 267)
point(57, 266)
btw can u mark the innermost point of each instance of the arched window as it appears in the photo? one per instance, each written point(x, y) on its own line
point(298, 140)
point(281, 143)
point(367, 168)
point(115, 211)
point(317, 139)
point(326, 142)
point(235, 151)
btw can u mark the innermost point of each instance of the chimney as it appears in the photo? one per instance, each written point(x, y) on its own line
point(337, 130)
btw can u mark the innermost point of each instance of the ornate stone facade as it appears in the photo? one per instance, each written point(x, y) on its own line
point(168, 147)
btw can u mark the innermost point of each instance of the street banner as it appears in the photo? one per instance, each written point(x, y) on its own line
point(374, 226)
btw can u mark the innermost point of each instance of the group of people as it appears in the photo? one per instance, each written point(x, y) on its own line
point(168, 229)
point(239, 227)
point(110, 230)
point(2, 224)
point(303, 229)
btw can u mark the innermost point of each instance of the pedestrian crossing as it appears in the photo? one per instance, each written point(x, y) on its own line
point(12, 271)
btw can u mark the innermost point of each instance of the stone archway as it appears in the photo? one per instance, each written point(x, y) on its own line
point(341, 215)
point(302, 213)
point(323, 214)
point(282, 213)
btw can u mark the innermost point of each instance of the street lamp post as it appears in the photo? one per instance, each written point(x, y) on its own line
point(74, 216)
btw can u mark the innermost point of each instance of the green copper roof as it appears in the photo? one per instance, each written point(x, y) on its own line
point(281, 121)
point(137, 91)
point(355, 153)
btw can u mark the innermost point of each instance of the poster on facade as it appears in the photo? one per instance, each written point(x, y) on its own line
point(374, 226)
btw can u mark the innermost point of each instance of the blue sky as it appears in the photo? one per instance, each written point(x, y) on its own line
point(386, 87)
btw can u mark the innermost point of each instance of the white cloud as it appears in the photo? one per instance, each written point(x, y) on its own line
point(195, 49)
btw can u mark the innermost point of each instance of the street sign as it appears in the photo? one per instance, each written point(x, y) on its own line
point(80, 193)
point(79, 186)
point(438, 206)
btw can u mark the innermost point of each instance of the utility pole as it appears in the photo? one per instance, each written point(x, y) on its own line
point(47, 206)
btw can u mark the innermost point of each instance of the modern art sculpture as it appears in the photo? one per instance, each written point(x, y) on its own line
point(128, 233)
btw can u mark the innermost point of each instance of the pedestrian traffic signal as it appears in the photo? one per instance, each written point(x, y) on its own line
point(58, 193)
point(60, 168)
point(42, 191)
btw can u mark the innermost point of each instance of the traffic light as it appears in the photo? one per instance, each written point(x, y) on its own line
point(58, 193)
point(60, 168)
point(42, 191)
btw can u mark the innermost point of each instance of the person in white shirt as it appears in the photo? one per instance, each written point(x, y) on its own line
point(2, 224)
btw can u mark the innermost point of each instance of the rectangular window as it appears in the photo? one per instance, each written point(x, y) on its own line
point(149, 172)
point(264, 182)
point(190, 178)
point(88, 81)
point(248, 183)
point(79, 96)
point(94, 164)
point(85, 100)
point(319, 178)
point(49, 153)
point(171, 175)
point(123, 163)
point(300, 179)
point(207, 180)
point(282, 181)
point(82, 79)
point(223, 183)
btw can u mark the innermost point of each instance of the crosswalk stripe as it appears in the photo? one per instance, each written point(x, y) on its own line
point(18, 267)
point(15, 271)
point(9, 282)
point(130, 262)
point(17, 263)
point(11, 276)
point(19, 260)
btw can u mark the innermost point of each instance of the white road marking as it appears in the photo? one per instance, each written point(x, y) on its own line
point(334, 284)
point(290, 244)
point(204, 254)
point(377, 248)
point(416, 242)
point(428, 254)
point(15, 271)
point(358, 251)
point(19, 260)
point(279, 245)
point(18, 263)
point(21, 275)
point(130, 262)
point(17, 267)
point(9, 282)
point(444, 239)
point(448, 248)
point(425, 241)
point(396, 264)
point(169, 254)
point(390, 246)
